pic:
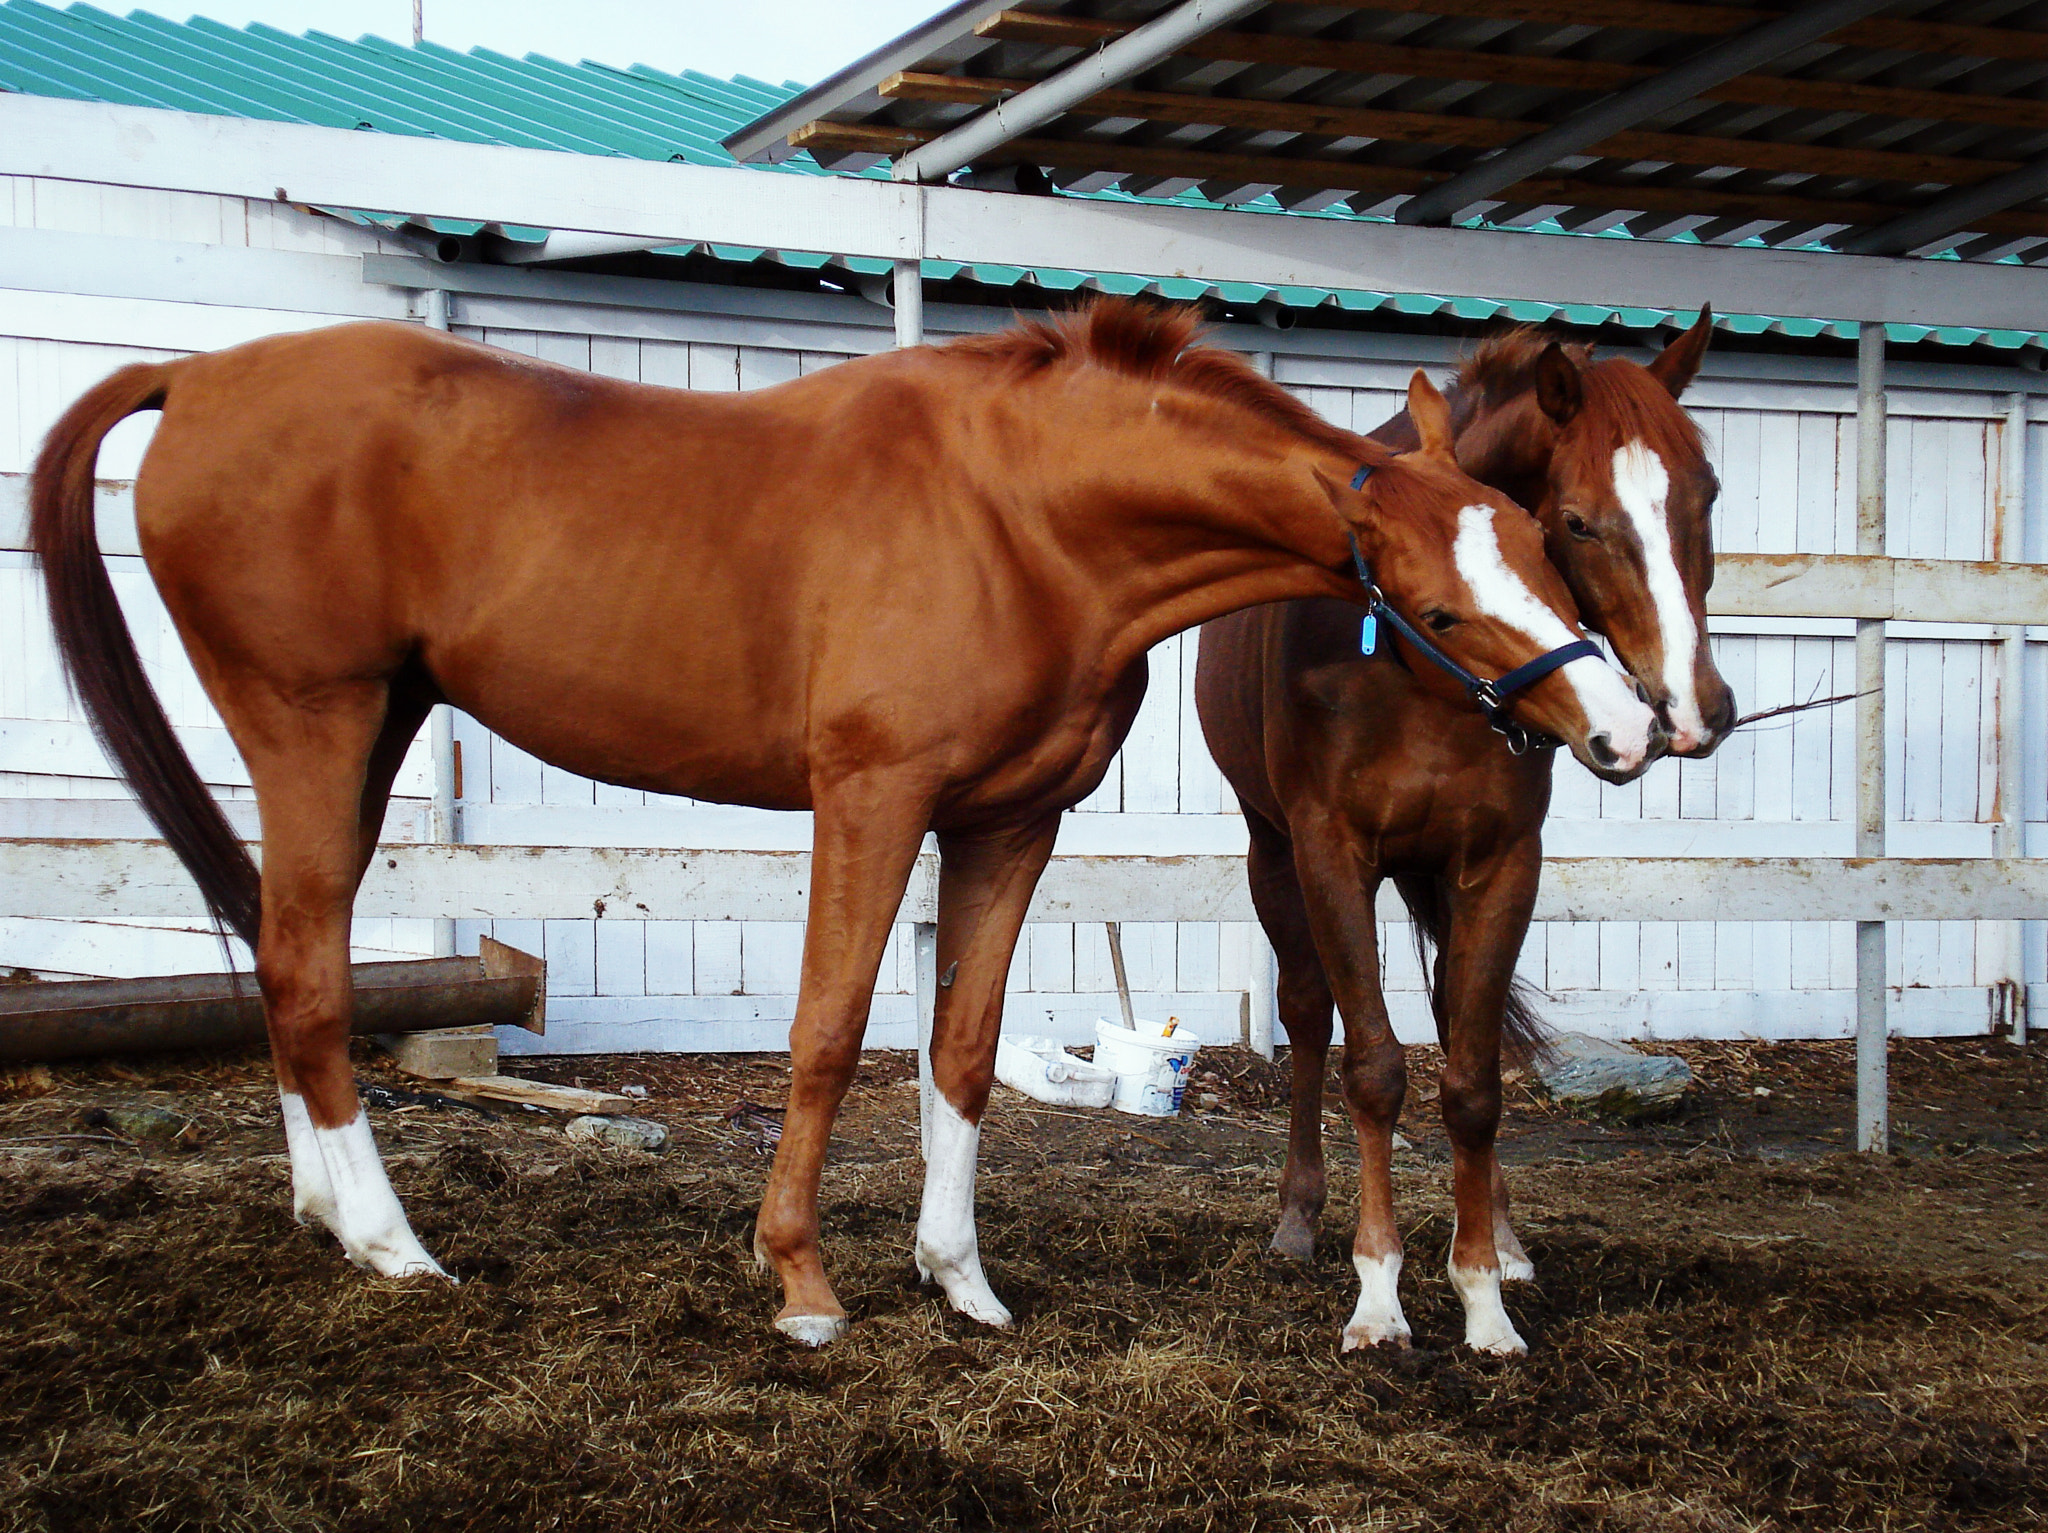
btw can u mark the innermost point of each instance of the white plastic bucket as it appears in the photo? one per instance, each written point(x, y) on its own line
point(1041, 1069)
point(1151, 1065)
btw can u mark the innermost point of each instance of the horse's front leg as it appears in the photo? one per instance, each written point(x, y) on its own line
point(1338, 885)
point(1489, 912)
point(1306, 1007)
point(985, 886)
point(865, 841)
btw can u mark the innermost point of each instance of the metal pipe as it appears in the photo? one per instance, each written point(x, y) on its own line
point(1873, 1128)
point(1109, 65)
point(442, 825)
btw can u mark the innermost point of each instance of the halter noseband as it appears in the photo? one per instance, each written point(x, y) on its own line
point(1490, 696)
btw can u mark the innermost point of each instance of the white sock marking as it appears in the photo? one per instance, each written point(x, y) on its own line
point(812, 1330)
point(1378, 1317)
point(948, 1250)
point(1611, 708)
point(1643, 486)
point(1487, 1327)
point(338, 1178)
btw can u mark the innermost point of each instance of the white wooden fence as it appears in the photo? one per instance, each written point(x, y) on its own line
point(93, 275)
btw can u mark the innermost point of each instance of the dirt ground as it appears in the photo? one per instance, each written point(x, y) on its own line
point(1735, 1326)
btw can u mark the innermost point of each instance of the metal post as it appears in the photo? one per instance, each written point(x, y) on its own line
point(1873, 1127)
point(1264, 1000)
point(909, 296)
point(2009, 835)
point(443, 825)
point(925, 955)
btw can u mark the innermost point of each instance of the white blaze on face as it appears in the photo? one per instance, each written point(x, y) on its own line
point(338, 1179)
point(1643, 486)
point(948, 1250)
point(1611, 709)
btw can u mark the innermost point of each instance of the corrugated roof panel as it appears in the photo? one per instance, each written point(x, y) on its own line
point(643, 112)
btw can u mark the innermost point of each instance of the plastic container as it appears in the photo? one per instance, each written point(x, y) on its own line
point(1045, 1072)
point(1152, 1066)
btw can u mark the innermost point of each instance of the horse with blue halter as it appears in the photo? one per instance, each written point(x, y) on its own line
point(1354, 768)
point(910, 593)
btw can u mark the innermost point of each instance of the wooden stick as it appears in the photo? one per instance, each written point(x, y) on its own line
point(1116, 962)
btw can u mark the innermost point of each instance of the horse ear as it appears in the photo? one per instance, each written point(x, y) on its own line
point(1559, 389)
point(1432, 417)
point(1678, 363)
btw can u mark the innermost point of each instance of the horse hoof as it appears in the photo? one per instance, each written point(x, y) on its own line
point(401, 1263)
point(1517, 1270)
point(812, 1330)
point(1294, 1244)
point(1357, 1338)
point(985, 1307)
point(1506, 1343)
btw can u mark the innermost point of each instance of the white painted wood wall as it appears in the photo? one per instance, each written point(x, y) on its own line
point(1782, 447)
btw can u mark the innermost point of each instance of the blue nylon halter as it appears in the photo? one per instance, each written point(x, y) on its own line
point(1490, 696)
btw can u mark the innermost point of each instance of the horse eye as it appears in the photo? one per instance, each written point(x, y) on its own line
point(1441, 621)
point(1578, 527)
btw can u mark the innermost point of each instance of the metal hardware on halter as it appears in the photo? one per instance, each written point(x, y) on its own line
point(1490, 696)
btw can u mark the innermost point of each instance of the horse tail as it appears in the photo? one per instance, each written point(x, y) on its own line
point(99, 657)
point(1525, 1037)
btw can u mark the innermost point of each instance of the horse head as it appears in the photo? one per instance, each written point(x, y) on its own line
point(1465, 573)
point(1617, 474)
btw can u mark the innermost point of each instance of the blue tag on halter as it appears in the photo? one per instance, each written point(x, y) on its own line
point(1369, 634)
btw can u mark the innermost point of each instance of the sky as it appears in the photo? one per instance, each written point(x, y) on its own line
point(776, 40)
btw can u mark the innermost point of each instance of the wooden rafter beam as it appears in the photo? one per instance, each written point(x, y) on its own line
point(1109, 156)
point(1906, 35)
point(1726, 59)
point(1313, 120)
point(1339, 55)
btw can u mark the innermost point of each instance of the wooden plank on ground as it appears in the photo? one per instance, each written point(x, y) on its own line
point(510, 1088)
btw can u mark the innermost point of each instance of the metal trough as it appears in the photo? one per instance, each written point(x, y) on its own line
point(85, 1019)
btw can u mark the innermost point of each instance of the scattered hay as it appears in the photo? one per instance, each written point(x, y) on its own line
point(1720, 1343)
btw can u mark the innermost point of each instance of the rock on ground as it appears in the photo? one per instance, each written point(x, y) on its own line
point(625, 1133)
point(1611, 1079)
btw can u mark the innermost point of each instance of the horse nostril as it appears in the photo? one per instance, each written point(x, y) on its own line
point(1602, 750)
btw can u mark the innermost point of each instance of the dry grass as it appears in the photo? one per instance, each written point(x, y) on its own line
point(178, 1355)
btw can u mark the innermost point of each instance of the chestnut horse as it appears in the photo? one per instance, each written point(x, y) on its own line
point(1352, 770)
point(911, 592)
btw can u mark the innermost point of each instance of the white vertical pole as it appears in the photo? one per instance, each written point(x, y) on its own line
point(909, 300)
point(441, 722)
point(1873, 1127)
point(925, 956)
point(1264, 1000)
point(2009, 836)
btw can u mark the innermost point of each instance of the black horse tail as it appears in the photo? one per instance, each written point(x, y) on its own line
point(99, 652)
point(1524, 1036)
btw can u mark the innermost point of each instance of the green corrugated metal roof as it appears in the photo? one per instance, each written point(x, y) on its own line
point(483, 97)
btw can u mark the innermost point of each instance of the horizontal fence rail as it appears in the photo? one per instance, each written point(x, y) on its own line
point(86, 880)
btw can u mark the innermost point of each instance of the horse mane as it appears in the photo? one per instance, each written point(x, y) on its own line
point(1162, 343)
point(1623, 401)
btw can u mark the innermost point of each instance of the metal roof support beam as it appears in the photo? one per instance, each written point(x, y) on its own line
point(1625, 109)
point(1110, 65)
point(1951, 211)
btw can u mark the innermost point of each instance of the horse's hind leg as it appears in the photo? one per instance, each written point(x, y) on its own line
point(1306, 1007)
point(309, 757)
point(985, 886)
